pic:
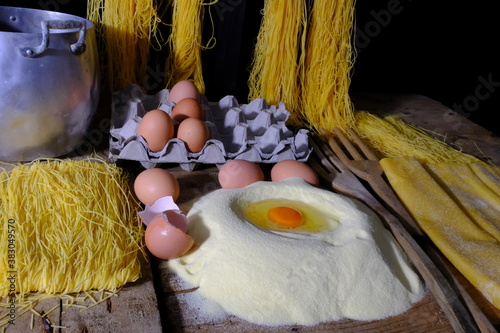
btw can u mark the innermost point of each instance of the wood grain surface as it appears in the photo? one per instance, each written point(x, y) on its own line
point(132, 309)
point(156, 303)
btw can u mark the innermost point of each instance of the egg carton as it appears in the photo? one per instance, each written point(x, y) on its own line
point(256, 132)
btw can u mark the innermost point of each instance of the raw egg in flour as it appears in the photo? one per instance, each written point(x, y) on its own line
point(285, 216)
point(289, 215)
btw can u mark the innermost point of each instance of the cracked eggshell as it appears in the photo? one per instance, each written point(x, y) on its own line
point(162, 205)
point(164, 240)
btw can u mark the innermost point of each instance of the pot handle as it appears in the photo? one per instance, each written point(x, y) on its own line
point(77, 48)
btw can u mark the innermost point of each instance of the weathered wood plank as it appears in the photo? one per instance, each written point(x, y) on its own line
point(133, 309)
point(44, 314)
point(425, 316)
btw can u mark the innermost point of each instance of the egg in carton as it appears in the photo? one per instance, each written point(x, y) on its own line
point(128, 108)
point(256, 132)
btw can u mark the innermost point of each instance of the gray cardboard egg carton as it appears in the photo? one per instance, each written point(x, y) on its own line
point(256, 132)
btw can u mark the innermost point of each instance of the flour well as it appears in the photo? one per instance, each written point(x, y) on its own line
point(270, 277)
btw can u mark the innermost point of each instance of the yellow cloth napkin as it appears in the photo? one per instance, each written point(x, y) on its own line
point(458, 206)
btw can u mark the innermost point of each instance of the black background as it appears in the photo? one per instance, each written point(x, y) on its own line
point(446, 50)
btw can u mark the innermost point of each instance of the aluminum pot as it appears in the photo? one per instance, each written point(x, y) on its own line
point(49, 82)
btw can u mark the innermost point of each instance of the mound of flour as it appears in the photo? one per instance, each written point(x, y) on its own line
point(269, 277)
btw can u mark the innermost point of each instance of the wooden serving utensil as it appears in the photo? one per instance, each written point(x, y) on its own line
point(331, 169)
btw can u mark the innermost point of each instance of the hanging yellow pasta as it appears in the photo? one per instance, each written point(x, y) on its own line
point(126, 29)
point(276, 62)
point(327, 65)
point(184, 60)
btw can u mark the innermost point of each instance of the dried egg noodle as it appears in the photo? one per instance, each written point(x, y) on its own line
point(184, 60)
point(355, 270)
point(76, 229)
point(392, 137)
point(304, 57)
point(127, 30)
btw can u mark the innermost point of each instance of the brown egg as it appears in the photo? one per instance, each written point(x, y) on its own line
point(194, 132)
point(292, 168)
point(157, 128)
point(187, 108)
point(239, 173)
point(183, 89)
point(165, 241)
point(153, 184)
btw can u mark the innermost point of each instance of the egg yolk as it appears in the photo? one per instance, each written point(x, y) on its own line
point(290, 216)
point(285, 216)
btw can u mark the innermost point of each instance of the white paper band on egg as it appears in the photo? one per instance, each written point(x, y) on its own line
point(167, 207)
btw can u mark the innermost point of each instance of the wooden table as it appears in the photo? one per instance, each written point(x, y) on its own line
point(156, 303)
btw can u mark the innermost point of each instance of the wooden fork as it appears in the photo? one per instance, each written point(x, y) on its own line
point(361, 160)
point(365, 164)
point(332, 170)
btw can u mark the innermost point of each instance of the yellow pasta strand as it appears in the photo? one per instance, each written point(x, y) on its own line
point(305, 60)
point(327, 65)
point(75, 228)
point(184, 60)
point(127, 29)
point(276, 63)
point(392, 137)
